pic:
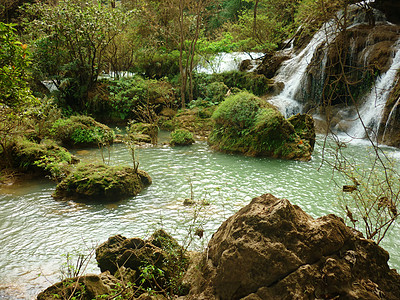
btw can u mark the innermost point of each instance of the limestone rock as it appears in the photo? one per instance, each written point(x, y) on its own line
point(272, 249)
point(88, 287)
point(90, 182)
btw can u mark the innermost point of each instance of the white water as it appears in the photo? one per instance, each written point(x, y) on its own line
point(225, 62)
point(293, 71)
point(370, 114)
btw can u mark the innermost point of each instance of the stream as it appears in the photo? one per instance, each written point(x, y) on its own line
point(38, 232)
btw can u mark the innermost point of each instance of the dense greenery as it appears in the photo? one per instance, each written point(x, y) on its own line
point(246, 124)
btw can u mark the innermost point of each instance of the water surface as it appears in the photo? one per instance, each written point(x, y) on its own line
point(37, 231)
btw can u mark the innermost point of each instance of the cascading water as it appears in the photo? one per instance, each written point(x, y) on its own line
point(224, 62)
point(370, 114)
point(293, 72)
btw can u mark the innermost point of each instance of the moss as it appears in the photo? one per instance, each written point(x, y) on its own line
point(246, 124)
point(81, 131)
point(143, 132)
point(46, 158)
point(196, 120)
point(181, 137)
point(96, 181)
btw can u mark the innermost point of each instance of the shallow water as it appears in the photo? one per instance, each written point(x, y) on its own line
point(37, 231)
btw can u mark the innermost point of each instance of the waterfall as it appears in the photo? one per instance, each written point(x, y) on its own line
point(294, 71)
point(224, 62)
point(370, 114)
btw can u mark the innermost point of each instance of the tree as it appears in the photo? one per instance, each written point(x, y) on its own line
point(15, 95)
point(71, 43)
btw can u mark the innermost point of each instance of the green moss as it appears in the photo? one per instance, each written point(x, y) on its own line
point(181, 137)
point(96, 181)
point(47, 158)
point(82, 131)
point(246, 124)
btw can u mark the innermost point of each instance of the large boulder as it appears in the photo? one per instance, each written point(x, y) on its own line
point(247, 124)
point(272, 249)
point(89, 182)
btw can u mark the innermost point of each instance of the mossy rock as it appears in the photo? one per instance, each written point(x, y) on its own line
point(101, 182)
point(143, 132)
point(81, 131)
point(181, 137)
point(45, 158)
point(197, 121)
point(246, 124)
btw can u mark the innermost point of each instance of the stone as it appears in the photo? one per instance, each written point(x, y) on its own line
point(272, 249)
point(88, 287)
point(246, 124)
point(98, 182)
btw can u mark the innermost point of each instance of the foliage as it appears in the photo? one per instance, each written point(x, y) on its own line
point(14, 65)
point(72, 38)
point(102, 182)
point(81, 130)
point(123, 99)
point(46, 157)
point(205, 85)
point(246, 124)
point(181, 137)
point(238, 110)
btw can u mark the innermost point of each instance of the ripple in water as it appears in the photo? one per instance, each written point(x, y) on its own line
point(36, 230)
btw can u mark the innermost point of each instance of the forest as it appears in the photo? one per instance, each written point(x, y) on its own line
point(117, 109)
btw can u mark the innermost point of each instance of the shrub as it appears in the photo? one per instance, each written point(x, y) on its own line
point(181, 137)
point(81, 130)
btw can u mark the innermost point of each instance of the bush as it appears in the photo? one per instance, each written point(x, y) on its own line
point(246, 124)
point(120, 99)
point(81, 130)
point(181, 137)
point(47, 158)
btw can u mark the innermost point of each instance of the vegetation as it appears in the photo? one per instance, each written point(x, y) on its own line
point(91, 182)
point(81, 131)
point(181, 137)
point(246, 124)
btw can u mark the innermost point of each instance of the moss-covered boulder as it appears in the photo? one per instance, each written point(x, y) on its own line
point(143, 132)
point(181, 137)
point(81, 131)
point(44, 158)
point(196, 120)
point(247, 124)
point(101, 182)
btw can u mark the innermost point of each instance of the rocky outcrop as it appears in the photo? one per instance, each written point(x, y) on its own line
point(86, 287)
point(247, 124)
point(81, 131)
point(272, 249)
point(268, 250)
point(158, 263)
point(97, 182)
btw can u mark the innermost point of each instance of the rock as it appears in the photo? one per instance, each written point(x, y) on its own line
point(143, 132)
point(247, 124)
point(181, 137)
point(159, 261)
point(272, 249)
point(271, 63)
point(81, 131)
point(90, 182)
point(87, 287)
point(45, 158)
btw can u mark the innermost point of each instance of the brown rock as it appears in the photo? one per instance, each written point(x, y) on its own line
point(272, 249)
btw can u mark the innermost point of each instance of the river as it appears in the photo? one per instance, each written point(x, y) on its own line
point(37, 232)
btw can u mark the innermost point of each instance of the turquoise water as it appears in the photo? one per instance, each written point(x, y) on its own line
point(37, 231)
